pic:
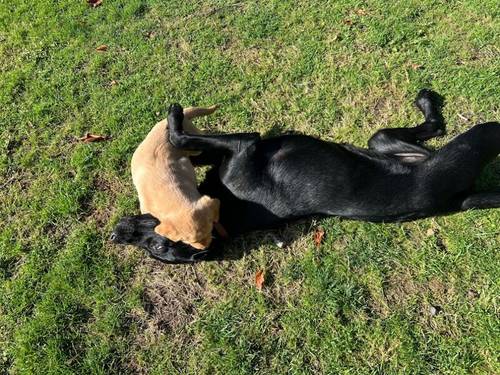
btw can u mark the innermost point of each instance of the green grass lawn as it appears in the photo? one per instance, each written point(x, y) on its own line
point(413, 298)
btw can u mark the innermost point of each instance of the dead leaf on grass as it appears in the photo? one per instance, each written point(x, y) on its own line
point(102, 48)
point(94, 3)
point(416, 66)
point(319, 235)
point(259, 279)
point(88, 138)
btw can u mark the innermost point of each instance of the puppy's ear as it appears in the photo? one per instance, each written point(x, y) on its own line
point(209, 206)
point(203, 243)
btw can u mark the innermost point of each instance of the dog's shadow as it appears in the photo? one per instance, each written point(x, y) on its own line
point(279, 239)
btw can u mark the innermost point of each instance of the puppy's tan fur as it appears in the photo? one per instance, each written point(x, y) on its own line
point(166, 184)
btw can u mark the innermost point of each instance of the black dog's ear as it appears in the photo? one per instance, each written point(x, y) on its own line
point(147, 220)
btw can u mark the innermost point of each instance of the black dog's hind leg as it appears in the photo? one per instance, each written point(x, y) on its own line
point(458, 164)
point(223, 144)
point(405, 142)
point(482, 200)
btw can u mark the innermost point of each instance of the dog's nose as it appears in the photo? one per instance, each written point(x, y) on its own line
point(112, 237)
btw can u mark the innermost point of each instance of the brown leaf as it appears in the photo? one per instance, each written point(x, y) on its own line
point(319, 234)
point(94, 3)
point(87, 138)
point(416, 66)
point(259, 279)
point(102, 48)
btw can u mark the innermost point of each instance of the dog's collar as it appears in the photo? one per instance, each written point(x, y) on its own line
point(221, 231)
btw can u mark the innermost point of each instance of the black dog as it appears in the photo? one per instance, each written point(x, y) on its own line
point(263, 183)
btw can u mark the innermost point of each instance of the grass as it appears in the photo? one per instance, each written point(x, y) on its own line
point(413, 298)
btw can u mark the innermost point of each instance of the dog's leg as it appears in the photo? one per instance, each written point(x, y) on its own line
point(406, 141)
point(453, 170)
point(226, 143)
point(461, 160)
point(430, 104)
point(482, 200)
point(391, 142)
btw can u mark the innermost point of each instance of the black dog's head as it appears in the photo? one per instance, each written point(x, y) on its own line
point(138, 230)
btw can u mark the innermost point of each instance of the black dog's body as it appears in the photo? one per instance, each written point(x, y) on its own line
point(262, 183)
point(284, 178)
point(396, 179)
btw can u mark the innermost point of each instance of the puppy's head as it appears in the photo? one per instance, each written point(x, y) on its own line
point(138, 230)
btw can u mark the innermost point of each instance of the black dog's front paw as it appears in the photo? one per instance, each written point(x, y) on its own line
point(175, 109)
point(175, 117)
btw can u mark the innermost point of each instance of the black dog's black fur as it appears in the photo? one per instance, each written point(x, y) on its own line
point(263, 183)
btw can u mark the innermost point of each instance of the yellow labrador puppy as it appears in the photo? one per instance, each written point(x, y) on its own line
point(166, 184)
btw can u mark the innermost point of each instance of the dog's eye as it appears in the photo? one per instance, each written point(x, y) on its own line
point(157, 248)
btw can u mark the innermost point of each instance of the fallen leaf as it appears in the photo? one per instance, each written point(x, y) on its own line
point(94, 3)
point(259, 279)
point(102, 48)
point(113, 82)
point(319, 234)
point(361, 12)
point(430, 232)
point(416, 66)
point(87, 138)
